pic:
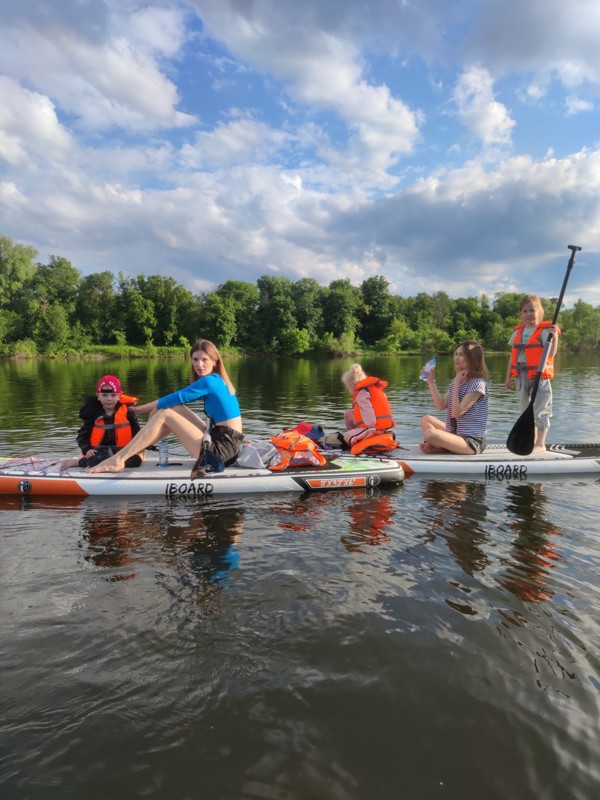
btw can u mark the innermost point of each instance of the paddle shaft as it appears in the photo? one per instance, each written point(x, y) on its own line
point(542, 365)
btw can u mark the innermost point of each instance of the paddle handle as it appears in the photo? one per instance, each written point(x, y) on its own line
point(574, 249)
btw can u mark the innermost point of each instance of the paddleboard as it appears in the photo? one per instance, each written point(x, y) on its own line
point(38, 476)
point(498, 463)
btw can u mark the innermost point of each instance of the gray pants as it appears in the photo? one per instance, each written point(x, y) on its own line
point(542, 406)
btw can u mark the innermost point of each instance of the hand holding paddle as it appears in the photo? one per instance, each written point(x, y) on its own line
point(522, 437)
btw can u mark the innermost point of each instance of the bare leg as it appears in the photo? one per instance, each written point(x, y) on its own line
point(429, 421)
point(180, 421)
point(436, 436)
point(540, 441)
point(69, 462)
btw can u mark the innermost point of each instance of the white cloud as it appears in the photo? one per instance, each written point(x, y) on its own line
point(239, 141)
point(480, 113)
point(575, 105)
point(29, 127)
point(102, 78)
point(322, 69)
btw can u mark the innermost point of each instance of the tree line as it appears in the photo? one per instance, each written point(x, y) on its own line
point(53, 309)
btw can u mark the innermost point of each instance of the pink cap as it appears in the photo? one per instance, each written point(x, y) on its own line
point(109, 384)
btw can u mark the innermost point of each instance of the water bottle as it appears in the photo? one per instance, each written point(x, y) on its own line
point(427, 369)
point(163, 453)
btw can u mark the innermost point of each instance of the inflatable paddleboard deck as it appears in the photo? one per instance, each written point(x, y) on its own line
point(498, 463)
point(35, 476)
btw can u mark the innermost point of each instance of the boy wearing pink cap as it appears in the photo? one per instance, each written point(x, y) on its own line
point(109, 423)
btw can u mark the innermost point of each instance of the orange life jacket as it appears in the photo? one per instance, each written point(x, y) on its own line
point(533, 352)
point(375, 444)
point(296, 450)
point(120, 425)
point(381, 405)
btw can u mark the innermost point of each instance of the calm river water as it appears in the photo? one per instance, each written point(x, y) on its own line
point(435, 640)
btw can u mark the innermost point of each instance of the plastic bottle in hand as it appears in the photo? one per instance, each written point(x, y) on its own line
point(427, 369)
point(163, 453)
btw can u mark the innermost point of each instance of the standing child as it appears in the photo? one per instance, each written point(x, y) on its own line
point(466, 404)
point(527, 343)
point(109, 423)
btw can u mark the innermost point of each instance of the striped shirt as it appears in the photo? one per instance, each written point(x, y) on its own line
point(474, 421)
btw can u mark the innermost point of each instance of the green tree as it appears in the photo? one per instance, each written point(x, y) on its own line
point(51, 328)
point(170, 303)
point(581, 327)
point(58, 282)
point(506, 304)
point(308, 306)
point(377, 310)
point(217, 319)
point(294, 341)
point(244, 299)
point(16, 269)
point(95, 306)
point(340, 305)
point(135, 313)
point(276, 309)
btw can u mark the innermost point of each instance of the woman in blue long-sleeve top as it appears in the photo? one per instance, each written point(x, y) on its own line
point(169, 414)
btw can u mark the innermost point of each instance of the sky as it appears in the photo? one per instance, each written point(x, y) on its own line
point(447, 145)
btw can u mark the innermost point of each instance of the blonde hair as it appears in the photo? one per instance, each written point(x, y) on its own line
point(475, 358)
point(211, 351)
point(535, 301)
point(355, 374)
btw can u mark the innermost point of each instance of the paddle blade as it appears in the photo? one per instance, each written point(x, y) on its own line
point(522, 437)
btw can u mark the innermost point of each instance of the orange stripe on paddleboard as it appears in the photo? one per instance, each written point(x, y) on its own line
point(336, 481)
point(408, 471)
point(26, 487)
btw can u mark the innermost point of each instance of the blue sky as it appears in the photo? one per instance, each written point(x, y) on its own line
point(447, 145)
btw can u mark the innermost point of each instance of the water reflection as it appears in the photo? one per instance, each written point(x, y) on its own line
point(457, 512)
point(535, 548)
point(193, 549)
point(365, 517)
point(369, 516)
point(200, 544)
point(109, 540)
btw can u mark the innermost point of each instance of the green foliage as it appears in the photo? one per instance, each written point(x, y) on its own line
point(16, 268)
point(294, 341)
point(23, 348)
point(52, 309)
point(377, 312)
point(217, 319)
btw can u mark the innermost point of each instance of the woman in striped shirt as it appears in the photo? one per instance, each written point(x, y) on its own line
point(466, 404)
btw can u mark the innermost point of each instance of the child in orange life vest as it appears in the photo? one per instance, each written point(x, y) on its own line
point(109, 423)
point(370, 413)
point(527, 342)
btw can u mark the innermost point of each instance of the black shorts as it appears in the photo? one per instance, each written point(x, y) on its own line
point(225, 443)
point(102, 453)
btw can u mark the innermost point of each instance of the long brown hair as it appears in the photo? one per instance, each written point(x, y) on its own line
point(211, 351)
point(475, 359)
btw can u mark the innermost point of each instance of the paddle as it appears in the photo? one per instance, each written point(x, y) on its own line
point(522, 437)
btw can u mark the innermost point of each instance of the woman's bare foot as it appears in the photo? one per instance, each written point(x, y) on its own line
point(429, 448)
point(110, 465)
